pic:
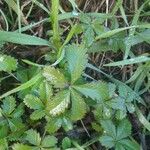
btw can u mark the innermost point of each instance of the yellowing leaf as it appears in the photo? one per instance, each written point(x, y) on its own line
point(54, 76)
point(59, 103)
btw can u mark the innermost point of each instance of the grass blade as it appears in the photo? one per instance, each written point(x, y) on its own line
point(139, 59)
point(19, 38)
point(22, 86)
point(142, 119)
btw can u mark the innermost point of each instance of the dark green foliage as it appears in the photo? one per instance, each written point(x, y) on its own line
point(47, 106)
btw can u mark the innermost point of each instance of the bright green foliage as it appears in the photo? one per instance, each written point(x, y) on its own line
point(77, 60)
point(3, 144)
point(91, 90)
point(117, 136)
point(8, 63)
point(19, 146)
point(33, 137)
point(55, 94)
point(9, 105)
point(78, 108)
point(66, 143)
point(49, 141)
point(11, 121)
point(33, 102)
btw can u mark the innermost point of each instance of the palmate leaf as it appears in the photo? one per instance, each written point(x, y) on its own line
point(59, 103)
point(9, 105)
point(78, 107)
point(54, 76)
point(7, 63)
point(77, 60)
point(33, 102)
point(117, 136)
point(33, 137)
point(19, 38)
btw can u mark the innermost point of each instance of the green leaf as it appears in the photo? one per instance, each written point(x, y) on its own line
point(91, 90)
point(109, 128)
point(3, 144)
point(59, 103)
point(107, 141)
point(9, 105)
point(95, 90)
point(53, 124)
point(123, 129)
point(45, 91)
point(20, 38)
point(89, 36)
point(135, 60)
point(112, 32)
point(77, 60)
point(78, 106)
point(33, 137)
point(54, 76)
point(3, 130)
point(15, 124)
point(37, 114)
point(33, 102)
point(129, 145)
point(18, 112)
point(8, 63)
point(66, 143)
point(49, 141)
point(142, 119)
point(19, 146)
point(22, 86)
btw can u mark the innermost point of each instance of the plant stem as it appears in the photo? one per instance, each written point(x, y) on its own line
point(55, 23)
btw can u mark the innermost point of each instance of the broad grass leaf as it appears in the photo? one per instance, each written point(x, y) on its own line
point(142, 119)
point(23, 39)
point(23, 86)
point(135, 60)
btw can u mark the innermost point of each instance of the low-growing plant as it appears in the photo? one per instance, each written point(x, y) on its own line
point(51, 99)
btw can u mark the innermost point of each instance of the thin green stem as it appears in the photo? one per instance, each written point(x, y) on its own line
point(55, 23)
